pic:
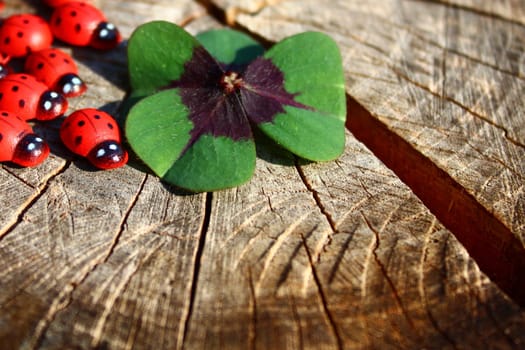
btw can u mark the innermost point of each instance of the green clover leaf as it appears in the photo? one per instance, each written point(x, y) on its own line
point(200, 97)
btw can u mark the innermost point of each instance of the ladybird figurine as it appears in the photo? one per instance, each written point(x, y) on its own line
point(28, 98)
point(81, 24)
point(24, 33)
point(18, 143)
point(57, 70)
point(95, 135)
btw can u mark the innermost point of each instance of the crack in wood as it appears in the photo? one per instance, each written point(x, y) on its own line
point(18, 177)
point(186, 316)
point(252, 335)
point(40, 191)
point(384, 272)
point(324, 303)
point(123, 222)
point(214, 10)
point(316, 197)
point(494, 247)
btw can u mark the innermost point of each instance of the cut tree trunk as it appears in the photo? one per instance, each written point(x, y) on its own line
point(414, 238)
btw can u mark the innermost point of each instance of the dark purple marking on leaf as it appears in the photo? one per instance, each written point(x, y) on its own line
point(223, 103)
point(212, 111)
point(263, 94)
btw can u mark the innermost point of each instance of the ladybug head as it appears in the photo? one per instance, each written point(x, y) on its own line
point(51, 105)
point(105, 37)
point(4, 71)
point(31, 150)
point(70, 85)
point(108, 155)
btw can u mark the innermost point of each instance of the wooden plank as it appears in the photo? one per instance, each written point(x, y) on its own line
point(429, 75)
point(339, 255)
point(334, 255)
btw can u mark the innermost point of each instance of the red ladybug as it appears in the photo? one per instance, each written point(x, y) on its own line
point(24, 33)
point(95, 135)
point(57, 70)
point(81, 24)
point(57, 3)
point(18, 143)
point(28, 98)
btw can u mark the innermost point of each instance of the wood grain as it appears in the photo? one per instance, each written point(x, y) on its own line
point(511, 10)
point(338, 255)
point(445, 79)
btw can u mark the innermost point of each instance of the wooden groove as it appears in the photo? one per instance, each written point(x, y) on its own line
point(495, 248)
point(196, 269)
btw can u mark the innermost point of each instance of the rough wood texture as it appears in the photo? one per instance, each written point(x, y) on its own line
point(335, 255)
point(447, 80)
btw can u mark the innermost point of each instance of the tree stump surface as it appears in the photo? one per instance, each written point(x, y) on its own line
point(414, 238)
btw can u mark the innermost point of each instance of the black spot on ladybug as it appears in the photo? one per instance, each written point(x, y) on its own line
point(23, 77)
point(58, 21)
point(77, 27)
point(78, 140)
point(81, 123)
point(97, 116)
point(21, 103)
point(1, 137)
point(110, 126)
point(66, 61)
point(14, 88)
point(1, 95)
point(7, 41)
point(52, 55)
point(28, 50)
point(5, 114)
point(26, 21)
point(73, 13)
point(20, 34)
point(40, 65)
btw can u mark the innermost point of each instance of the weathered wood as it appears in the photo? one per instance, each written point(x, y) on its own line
point(338, 255)
point(447, 80)
point(333, 255)
point(509, 9)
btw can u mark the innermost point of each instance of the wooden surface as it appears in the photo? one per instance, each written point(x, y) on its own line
point(339, 255)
